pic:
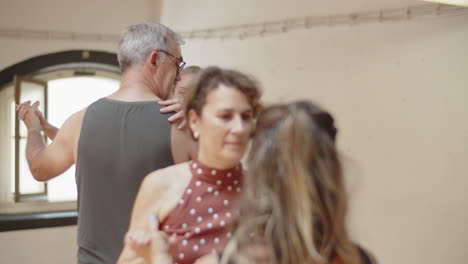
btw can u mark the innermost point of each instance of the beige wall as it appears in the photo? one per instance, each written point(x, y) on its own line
point(399, 94)
point(46, 245)
point(398, 91)
point(87, 16)
point(58, 245)
point(188, 15)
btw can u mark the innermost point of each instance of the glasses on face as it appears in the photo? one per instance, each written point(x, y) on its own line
point(180, 65)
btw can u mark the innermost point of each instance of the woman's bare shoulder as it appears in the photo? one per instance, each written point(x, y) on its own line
point(167, 176)
point(158, 187)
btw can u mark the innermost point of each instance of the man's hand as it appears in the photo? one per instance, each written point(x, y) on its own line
point(41, 117)
point(174, 105)
point(25, 108)
point(50, 130)
point(27, 113)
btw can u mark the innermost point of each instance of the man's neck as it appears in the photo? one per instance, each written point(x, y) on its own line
point(134, 88)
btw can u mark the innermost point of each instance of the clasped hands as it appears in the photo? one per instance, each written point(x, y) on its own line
point(31, 115)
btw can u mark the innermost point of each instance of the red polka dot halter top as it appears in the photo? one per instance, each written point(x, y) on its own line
point(201, 220)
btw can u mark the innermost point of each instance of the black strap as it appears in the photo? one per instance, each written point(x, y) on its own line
point(220, 256)
point(364, 257)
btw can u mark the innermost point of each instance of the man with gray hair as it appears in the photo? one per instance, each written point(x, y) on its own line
point(116, 140)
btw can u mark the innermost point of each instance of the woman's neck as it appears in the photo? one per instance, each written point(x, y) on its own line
point(216, 163)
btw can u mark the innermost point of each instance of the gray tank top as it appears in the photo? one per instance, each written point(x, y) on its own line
point(120, 143)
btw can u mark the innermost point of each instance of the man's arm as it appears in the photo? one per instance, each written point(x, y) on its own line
point(46, 162)
point(49, 129)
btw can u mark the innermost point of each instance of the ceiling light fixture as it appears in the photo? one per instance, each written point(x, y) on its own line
point(450, 2)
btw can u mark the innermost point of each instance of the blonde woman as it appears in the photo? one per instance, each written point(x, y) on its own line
point(293, 205)
point(293, 208)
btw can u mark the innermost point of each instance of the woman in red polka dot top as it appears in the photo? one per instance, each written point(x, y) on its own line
point(194, 201)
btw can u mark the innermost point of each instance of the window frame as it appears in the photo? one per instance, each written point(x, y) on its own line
point(18, 196)
point(26, 212)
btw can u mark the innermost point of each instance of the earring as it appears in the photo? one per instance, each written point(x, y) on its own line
point(196, 134)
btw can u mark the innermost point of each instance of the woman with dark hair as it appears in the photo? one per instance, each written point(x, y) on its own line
point(194, 201)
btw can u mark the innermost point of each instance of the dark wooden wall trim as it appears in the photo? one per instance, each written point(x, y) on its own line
point(71, 56)
point(37, 220)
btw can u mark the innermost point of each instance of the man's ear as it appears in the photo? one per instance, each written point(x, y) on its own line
point(153, 58)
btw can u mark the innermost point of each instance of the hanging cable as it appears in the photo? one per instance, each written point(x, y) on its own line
point(264, 28)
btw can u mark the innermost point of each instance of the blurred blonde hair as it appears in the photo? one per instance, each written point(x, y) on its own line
point(294, 200)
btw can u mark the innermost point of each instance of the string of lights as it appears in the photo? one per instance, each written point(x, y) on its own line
point(262, 29)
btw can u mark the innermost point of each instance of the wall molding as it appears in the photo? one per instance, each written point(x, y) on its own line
point(264, 28)
point(380, 16)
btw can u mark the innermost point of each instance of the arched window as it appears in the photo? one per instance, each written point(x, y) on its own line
point(64, 83)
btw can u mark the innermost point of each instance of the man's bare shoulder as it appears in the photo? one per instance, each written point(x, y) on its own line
point(73, 123)
point(71, 128)
point(77, 118)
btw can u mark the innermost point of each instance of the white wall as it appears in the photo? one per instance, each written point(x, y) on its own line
point(399, 92)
